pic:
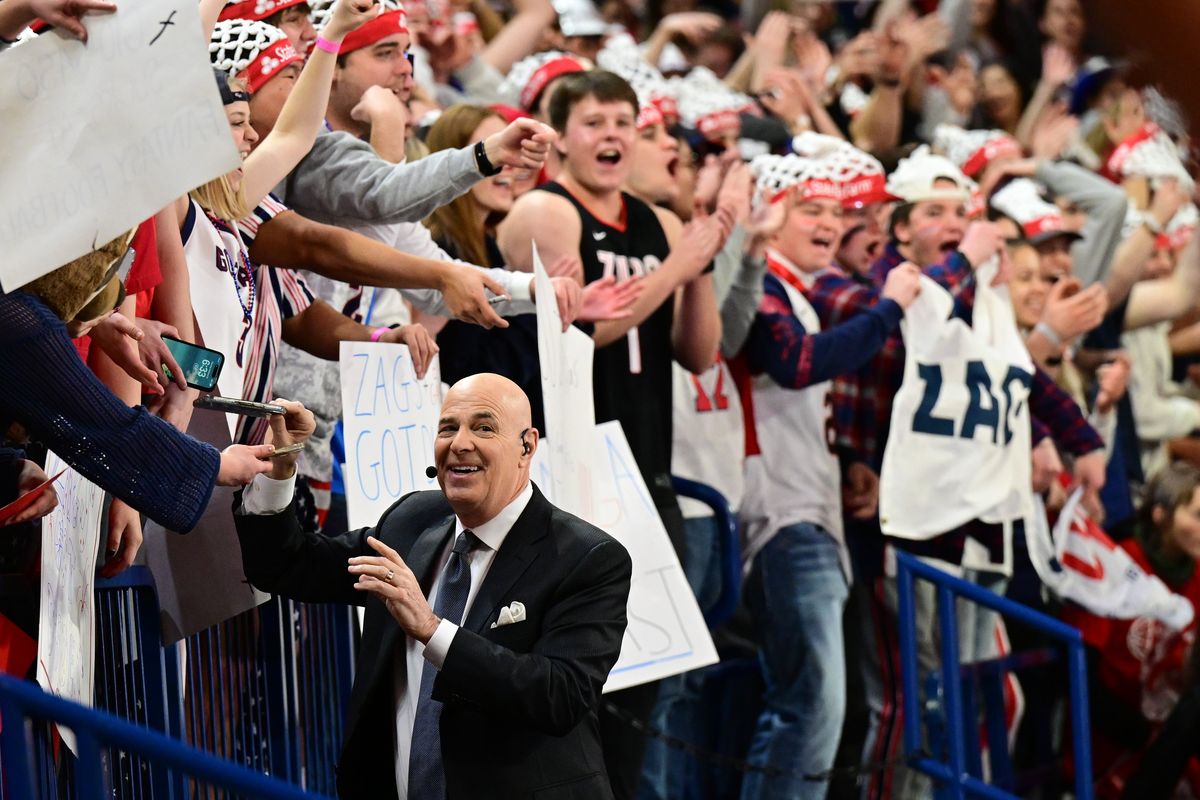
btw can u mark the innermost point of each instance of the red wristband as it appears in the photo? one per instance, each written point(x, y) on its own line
point(378, 333)
point(329, 47)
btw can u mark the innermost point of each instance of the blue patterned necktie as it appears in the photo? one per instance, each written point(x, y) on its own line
point(426, 775)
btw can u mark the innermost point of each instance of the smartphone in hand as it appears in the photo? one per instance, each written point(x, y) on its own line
point(245, 408)
point(201, 366)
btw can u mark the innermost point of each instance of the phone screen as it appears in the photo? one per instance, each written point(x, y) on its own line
point(201, 366)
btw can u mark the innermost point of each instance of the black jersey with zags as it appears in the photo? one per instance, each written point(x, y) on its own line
point(632, 376)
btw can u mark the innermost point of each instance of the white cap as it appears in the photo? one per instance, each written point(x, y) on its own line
point(579, 18)
point(1022, 200)
point(915, 177)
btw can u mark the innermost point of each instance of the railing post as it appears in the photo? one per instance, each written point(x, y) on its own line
point(1080, 723)
point(951, 687)
point(906, 613)
point(14, 751)
point(89, 777)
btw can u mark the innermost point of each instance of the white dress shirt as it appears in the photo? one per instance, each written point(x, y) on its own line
point(411, 663)
point(268, 496)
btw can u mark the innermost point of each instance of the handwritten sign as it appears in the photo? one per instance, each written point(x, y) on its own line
point(390, 418)
point(67, 619)
point(566, 362)
point(666, 634)
point(102, 136)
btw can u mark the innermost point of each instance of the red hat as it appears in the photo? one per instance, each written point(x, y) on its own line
point(557, 67)
point(389, 23)
point(510, 113)
point(257, 9)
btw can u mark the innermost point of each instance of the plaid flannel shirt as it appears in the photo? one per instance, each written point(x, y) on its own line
point(862, 401)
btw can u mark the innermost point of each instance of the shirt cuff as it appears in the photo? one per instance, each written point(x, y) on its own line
point(518, 285)
point(266, 495)
point(439, 644)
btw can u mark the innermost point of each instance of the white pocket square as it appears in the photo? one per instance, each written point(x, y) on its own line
point(515, 612)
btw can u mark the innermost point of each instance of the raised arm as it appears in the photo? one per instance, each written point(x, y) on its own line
point(1168, 298)
point(304, 112)
point(521, 35)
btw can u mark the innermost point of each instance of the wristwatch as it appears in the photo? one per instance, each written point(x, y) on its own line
point(486, 168)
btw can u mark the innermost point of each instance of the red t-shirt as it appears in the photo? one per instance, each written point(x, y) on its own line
point(144, 274)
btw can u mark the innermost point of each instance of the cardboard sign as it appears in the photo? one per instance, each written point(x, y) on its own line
point(666, 634)
point(570, 412)
point(99, 137)
point(390, 418)
point(67, 616)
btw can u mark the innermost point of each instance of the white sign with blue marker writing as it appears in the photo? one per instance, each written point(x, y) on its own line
point(390, 419)
point(67, 624)
point(666, 634)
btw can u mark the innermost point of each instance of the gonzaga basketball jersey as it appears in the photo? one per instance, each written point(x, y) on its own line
point(631, 378)
point(959, 448)
point(796, 477)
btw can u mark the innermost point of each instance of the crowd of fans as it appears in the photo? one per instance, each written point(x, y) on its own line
point(756, 213)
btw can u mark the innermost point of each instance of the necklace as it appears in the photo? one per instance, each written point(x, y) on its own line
point(241, 274)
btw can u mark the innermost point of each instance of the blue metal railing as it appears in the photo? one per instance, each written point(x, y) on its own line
point(265, 691)
point(961, 772)
point(729, 547)
point(21, 701)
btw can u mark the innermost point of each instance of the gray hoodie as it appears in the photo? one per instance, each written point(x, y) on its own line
point(343, 182)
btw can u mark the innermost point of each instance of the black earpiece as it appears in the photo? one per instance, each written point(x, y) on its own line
point(524, 444)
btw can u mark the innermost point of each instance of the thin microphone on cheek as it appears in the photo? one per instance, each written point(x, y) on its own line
point(431, 472)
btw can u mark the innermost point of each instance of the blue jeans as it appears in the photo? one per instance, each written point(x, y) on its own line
point(669, 773)
point(797, 592)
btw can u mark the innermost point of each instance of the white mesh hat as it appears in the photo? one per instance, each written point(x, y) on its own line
point(251, 50)
point(708, 105)
point(915, 178)
point(530, 76)
point(1022, 200)
point(1150, 153)
point(972, 150)
point(622, 57)
point(860, 174)
point(777, 176)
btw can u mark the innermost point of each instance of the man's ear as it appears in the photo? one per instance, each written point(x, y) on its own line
point(530, 439)
point(902, 232)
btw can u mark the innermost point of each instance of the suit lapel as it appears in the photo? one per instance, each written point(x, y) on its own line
point(514, 557)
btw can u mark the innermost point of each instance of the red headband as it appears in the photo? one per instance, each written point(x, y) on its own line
point(811, 189)
point(668, 108)
point(1000, 147)
point(863, 190)
point(718, 123)
point(1116, 161)
point(541, 77)
point(257, 9)
point(268, 63)
point(386, 24)
point(649, 116)
point(1051, 223)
